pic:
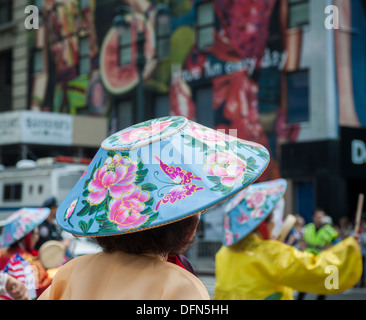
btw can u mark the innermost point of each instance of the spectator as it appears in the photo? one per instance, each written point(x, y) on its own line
point(345, 227)
point(48, 230)
point(318, 236)
point(297, 232)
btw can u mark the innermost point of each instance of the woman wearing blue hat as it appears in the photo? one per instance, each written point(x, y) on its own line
point(250, 266)
point(18, 237)
point(141, 198)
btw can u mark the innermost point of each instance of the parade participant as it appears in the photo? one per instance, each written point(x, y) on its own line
point(318, 236)
point(11, 286)
point(141, 198)
point(49, 230)
point(251, 266)
point(19, 236)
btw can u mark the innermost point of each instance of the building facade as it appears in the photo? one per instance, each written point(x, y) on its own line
point(289, 74)
point(27, 130)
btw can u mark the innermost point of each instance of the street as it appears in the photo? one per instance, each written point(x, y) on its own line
point(351, 294)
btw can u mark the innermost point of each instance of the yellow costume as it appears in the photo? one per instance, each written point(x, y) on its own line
point(111, 276)
point(255, 269)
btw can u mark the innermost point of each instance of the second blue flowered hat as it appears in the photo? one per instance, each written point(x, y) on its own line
point(250, 207)
point(158, 172)
point(21, 222)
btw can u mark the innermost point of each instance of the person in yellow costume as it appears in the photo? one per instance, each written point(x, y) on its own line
point(251, 266)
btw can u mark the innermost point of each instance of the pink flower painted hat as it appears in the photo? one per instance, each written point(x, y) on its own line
point(158, 172)
point(250, 207)
point(20, 223)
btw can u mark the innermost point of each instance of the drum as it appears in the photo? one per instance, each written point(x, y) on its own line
point(51, 254)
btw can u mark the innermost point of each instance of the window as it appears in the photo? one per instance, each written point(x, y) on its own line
point(298, 96)
point(5, 80)
point(125, 114)
point(84, 59)
point(12, 192)
point(205, 25)
point(37, 61)
point(204, 107)
point(298, 13)
point(304, 196)
point(163, 35)
point(161, 105)
point(39, 4)
point(5, 11)
point(125, 47)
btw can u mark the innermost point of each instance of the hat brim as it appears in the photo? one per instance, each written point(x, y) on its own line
point(156, 173)
point(249, 208)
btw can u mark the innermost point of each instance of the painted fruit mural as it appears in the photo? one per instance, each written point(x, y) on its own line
point(118, 78)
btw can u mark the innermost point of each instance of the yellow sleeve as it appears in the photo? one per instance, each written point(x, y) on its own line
point(332, 271)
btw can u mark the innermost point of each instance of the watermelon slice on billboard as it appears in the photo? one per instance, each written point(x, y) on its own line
point(117, 78)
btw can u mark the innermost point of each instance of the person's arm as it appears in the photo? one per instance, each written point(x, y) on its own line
point(13, 287)
point(332, 271)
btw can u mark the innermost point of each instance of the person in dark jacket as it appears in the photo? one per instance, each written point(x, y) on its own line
point(49, 230)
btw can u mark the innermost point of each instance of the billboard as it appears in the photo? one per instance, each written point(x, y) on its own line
point(264, 72)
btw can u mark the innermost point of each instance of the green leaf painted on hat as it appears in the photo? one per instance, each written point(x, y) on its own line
point(85, 226)
point(149, 202)
point(149, 187)
point(84, 211)
point(147, 211)
point(105, 224)
point(152, 218)
point(140, 176)
point(251, 164)
point(214, 179)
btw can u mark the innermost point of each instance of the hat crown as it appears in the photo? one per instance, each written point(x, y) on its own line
point(250, 207)
point(144, 133)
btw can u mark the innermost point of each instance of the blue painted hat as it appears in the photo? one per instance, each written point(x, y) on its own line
point(20, 223)
point(158, 172)
point(250, 207)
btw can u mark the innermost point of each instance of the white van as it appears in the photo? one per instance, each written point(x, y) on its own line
point(30, 183)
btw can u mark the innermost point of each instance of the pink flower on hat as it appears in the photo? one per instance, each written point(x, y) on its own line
point(257, 213)
point(20, 231)
point(125, 212)
point(71, 209)
point(229, 237)
point(227, 166)
point(117, 176)
point(209, 136)
point(256, 199)
point(143, 133)
point(275, 190)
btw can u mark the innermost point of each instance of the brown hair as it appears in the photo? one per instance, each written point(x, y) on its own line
point(172, 238)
